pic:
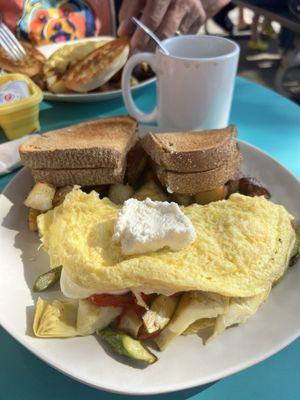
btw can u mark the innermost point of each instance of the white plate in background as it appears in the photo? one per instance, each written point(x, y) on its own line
point(49, 49)
point(186, 363)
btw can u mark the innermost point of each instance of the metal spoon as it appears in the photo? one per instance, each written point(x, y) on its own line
point(150, 33)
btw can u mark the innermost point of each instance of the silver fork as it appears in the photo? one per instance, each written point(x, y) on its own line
point(10, 43)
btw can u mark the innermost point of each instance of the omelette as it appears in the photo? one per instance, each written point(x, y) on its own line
point(242, 247)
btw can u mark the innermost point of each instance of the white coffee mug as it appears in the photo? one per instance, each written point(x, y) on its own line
point(194, 83)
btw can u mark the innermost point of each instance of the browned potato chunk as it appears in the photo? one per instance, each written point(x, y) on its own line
point(152, 190)
point(211, 195)
point(32, 219)
point(182, 199)
point(40, 196)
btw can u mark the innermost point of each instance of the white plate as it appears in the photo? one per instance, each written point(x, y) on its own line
point(49, 49)
point(187, 362)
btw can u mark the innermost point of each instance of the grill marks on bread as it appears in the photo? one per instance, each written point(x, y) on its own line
point(98, 67)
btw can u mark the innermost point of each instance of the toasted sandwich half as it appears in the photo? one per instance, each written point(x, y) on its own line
point(30, 65)
point(98, 67)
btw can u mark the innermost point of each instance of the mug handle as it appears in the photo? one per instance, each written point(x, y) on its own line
point(133, 110)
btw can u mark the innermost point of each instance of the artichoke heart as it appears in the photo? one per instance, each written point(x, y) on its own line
point(68, 318)
point(199, 325)
point(192, 306)
point(238, 311)
point(56, 319)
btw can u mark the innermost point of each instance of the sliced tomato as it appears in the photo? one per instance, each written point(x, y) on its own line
point(128, 299)
point(139, 310)
point(144, 335)
point(110, 300)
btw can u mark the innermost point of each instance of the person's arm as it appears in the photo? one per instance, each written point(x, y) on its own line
point(166, 17)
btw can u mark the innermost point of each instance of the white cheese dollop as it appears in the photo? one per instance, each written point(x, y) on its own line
point(147, 225)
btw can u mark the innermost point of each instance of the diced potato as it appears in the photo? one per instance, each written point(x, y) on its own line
point(60, 195)
point(211, 195)
point(32, 219)
point(119, 193)
point(182, 199)
point(40, 197)
point(152, 190)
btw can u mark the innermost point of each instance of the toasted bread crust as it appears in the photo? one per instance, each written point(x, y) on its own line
point(30, 65)
point(191, 151)
point(58, 63)
point(102, 142)
point(195, 182)
point(82, 177)
point(103, 61)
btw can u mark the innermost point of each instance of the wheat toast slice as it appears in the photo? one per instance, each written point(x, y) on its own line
point(80, 176)
point(191, 151)
point(194, 182)
point(101, 142)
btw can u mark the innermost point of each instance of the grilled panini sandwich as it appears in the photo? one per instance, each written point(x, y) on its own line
point(90, 153)
point(64, 58)
point(30, 65)
point(98, 67)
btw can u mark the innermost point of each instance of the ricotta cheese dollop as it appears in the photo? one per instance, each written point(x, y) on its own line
point(144, 226)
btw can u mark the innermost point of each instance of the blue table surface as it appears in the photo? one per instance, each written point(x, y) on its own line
point(265, 120)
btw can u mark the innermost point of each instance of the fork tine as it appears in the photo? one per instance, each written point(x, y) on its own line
point(13, 39)
point(6, 36)
point(8, 47)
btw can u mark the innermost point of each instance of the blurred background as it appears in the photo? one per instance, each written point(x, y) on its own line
point(269, 39)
